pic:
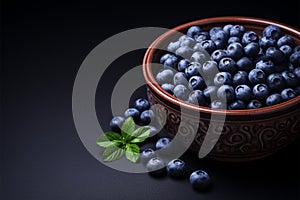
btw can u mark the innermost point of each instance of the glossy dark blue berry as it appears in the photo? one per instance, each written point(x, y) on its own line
point(223, 78)
point(296, 48)
point(297, 90)
point(197, 97)
point(201, 36)
point(234, 40)
point(295, 58)
point(272, 31)
point(226, 93)
point(286, 50)
point(168, 87)
point(260, 91)
point(244, 64)
point(237, 31)
point(288, 94)
point(276, 82)
point(165, 76)
point(176, 168)
point(274, 99)
point(146, 155)
point(132, 112)
point(156, 166)
point(217, 104)
point(197, 83)
point(235, 50)
point(267, 42)
point(275, 54)
point(193, 30)
point(243, 92)
point(220, 39)
point(181, 92)
point(227, 28)
point(162, 143)
point(208, 45)
point(218, 54)
point(116, 123)
point(253, 104)
point(180, 78)
point(256, 76)
point(290, 78)
point(265, 65)
point(237, 105)
point(214, 30)
point(193, 69)
point(248, 37)
point(182, 64)
point(252, 49)
point(286, 40)
point(227, 65)
point(240, 78)
point(171, 62)
point(146, 117)
point(297, 72)
point(200, 180)
point(141, 104)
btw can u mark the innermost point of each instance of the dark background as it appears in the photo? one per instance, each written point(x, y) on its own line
point(42, 157)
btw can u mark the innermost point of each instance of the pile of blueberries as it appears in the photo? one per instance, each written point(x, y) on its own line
point(154, 162)
point(231, 68)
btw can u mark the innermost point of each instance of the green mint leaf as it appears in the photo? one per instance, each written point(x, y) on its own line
point(112, 153)
point(132, 152)
point(127, 129)
point(108, 139)
point(141, 135)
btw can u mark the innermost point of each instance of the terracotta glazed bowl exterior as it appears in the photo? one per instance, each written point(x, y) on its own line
point(247, 134)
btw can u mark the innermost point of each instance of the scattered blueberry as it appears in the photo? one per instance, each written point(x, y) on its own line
point(116, 123)
point(156, 166)
point(176, 168)
point(146, 155)
point(141, 104)
point(146, 117)
point(162, 143)
point(200, 180)
point(132, 112)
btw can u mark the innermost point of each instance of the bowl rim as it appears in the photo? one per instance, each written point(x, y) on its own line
point(151, 82)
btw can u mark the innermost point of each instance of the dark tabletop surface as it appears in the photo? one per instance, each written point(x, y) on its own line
point(42, 157)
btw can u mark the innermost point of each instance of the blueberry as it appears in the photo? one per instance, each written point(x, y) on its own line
point(237, 31)
point(162, 143)
point(265, 65)
point(171, 62)
point(184, 52)
point(132, 112)
point(209, 69)
point(165, 57)
point(244, 64)
point(226, 92)
point(168, 87)
point(267, 42)
point(197, 97)
point(200, 57)
point(252, 49)
point(297, 90)
point(220, 39)
point(182, 64)
point(288, 94)
point(256, 76)
point(214, 30)
point(275, 54)
point(156, 166)
point(165, 76)
point(295, 58)
point(201, 36)
point(217, 104)
point(176, 168)
point(243, 92)
point(237, 105)
point(200, 180)
point(286, 50)
point(115, 123)
point(297, 48)
point(196, 83)
point(141, 104)
point(218, 54)
point(260, 91)
point(193, 69)
point(286, 40)
point(181, 92)
point(272, 31)
point(240, 78)
point(187, 42)
point(290, 78)
point(274, 99)
point(208, 45)
point(180, 78)
point(297, 72)
point(227, 28)
point(146, 117)
point(193, 30)
point(223, 78)
point(233, 40)
point(227, 65)
point(276, 82)
point(210, 93)
point(249, 36)
point(146, 155)
point(235, 50)
point(173, 46)
point(253, 104)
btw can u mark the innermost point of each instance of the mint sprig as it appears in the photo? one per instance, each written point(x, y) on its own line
point(117, 145)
